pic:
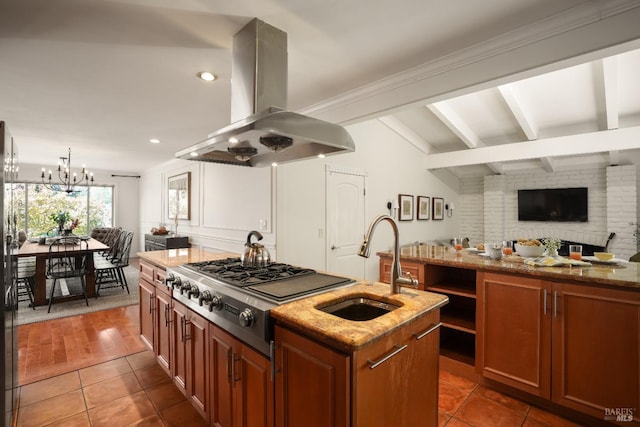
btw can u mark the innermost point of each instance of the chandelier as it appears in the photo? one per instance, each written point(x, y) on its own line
point(66, 180)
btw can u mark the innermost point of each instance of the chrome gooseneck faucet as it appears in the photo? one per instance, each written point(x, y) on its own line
point(396, 271)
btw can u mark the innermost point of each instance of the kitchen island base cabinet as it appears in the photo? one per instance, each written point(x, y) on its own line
point(375, 386)
point(312, 383)
point(189, 356)
point(242, 391)
point(577, 345)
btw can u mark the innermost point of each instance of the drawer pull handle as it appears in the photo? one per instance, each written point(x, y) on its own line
point(397, 350)
point(544, 302)
point(432, 328)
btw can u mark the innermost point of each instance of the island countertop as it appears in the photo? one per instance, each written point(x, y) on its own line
point(174, 257)
point(625, 275)
point(347, 335)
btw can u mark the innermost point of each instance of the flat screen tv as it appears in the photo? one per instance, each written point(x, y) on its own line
point(553, 204)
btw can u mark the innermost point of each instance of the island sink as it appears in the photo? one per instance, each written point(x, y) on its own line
point(359, 308)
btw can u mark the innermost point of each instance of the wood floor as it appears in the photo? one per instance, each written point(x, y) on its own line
point(93, 370)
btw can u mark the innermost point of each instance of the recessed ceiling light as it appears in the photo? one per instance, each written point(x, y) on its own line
point(274, 164)
point(233, 140)
point(206, 75)
point(193, 154)
point(154, 141)
point(321, 156)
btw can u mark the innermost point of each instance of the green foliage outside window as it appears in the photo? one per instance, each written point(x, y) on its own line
point(38, 209)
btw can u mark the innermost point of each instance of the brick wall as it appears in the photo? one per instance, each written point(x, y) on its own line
point(613, 204)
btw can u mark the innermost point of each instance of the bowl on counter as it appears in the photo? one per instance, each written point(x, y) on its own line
point(529, 251)
point(604, 256)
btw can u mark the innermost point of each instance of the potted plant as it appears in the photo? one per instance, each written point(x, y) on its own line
point(60, 218)
point(552, 245)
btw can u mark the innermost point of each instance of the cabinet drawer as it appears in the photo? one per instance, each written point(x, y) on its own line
point(146, 272)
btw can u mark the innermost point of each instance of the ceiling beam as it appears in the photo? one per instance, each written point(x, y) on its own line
point(590, 31)
point(455, 123)
point(588, 143)
point(406, 133)
point(519, 112)
point(548, 164)
point(610, 82)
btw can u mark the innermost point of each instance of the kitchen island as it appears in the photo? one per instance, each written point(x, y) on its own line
point(322, 370)
point(567, 338)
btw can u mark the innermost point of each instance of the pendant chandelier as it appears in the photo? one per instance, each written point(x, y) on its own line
point(66, 181)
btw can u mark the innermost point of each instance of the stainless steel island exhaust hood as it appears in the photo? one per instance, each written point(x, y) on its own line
point(263, 132)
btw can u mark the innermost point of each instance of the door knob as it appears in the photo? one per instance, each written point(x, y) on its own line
point(334, 247)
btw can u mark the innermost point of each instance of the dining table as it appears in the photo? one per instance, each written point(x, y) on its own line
point(40, 251)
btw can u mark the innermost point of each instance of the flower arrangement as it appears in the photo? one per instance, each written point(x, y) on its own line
point(60, 218)
point(552, 245)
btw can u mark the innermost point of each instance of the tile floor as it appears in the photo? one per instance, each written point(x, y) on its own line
point(133, 390)
point(128, 391)
point(92, 370)
point(463, 403)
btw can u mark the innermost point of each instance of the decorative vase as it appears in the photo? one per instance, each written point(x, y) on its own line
point(60, 228)
point(552, 252)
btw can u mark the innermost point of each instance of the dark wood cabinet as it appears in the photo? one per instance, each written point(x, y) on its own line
point(242, 391)
point(162, 342)
point(189, 356)
point(577, 345)
point(374, 386)
point(147, 310)
point(302, 362)
point(415, 269)
point(154, 242)
point(595, 348)
point(515, 341)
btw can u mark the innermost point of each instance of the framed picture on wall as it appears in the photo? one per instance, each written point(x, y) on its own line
point(178, 196)
point(424, 208)
point(438, 208)
point(406, 207)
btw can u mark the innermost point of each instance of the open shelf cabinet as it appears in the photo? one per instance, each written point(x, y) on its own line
point(458, 335)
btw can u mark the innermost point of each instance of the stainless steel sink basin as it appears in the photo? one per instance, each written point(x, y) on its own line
point(359, 308)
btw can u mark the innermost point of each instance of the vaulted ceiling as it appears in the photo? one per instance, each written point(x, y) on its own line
point(516, 85)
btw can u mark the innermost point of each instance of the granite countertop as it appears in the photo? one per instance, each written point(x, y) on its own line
point(347, 335)
point(625, 275)
point(175, 257)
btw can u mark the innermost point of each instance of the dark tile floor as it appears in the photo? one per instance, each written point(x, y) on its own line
point(128, 391)
point(463, 403)
point(134, 391)
point(114, 382)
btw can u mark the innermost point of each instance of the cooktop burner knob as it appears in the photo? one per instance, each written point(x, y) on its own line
point(205, 296)
point(185, 287)
point(246, 317)
point(216, 302)
point(177, 282)
point(167, 280)
point(194, 292)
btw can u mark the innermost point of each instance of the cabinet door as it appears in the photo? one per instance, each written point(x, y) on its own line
point(221, 392)
point(178, 362)
point(596, 349)
point(147, 310)
point(198, 363)
point(514, 340)
point(163, 331)
point(398, 359)
point(253, 388)
point(415, 269)
point(312, 383)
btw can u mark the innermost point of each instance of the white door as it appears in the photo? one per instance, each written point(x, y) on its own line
point(345, 221)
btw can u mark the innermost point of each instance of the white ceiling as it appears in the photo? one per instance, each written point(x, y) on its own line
point(105, 76)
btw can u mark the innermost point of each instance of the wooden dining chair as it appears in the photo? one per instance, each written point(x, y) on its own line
point(110, 272)
point(67, 260)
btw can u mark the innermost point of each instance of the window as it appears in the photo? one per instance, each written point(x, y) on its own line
point(35, 205)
